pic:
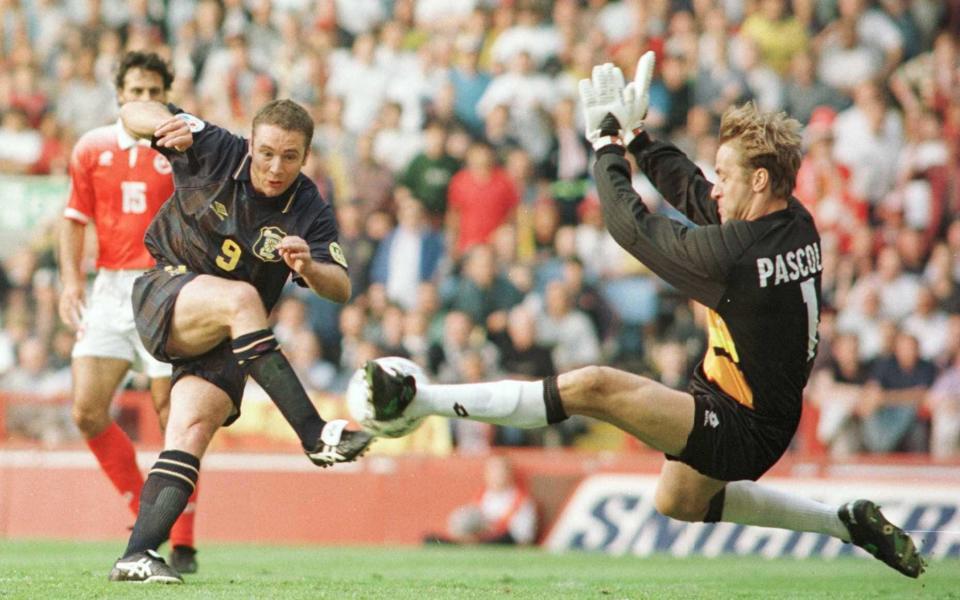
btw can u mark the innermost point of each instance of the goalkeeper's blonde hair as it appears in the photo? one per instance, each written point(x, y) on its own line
point(766, 140)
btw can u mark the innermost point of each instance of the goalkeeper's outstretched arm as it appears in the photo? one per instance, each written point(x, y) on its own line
point(697, 261)
point(676, 177)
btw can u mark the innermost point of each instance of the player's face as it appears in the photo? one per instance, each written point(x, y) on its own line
point(277, 156)
point(732, 190)
point(141, 85)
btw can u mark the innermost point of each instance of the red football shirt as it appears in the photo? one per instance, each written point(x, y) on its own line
point(483, 205)
point(119, 183)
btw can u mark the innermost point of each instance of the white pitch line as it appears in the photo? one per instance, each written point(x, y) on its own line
point(232, 461)
point(932, 531)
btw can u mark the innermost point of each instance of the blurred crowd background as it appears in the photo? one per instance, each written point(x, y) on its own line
point(449, 139)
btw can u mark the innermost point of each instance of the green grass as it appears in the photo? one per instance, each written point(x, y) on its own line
point(75, 570)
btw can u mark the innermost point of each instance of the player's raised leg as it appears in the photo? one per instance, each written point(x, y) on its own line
point(210, 309)
point(652, 412)
point(197, 409)
point(95, 381)
point(662, 418)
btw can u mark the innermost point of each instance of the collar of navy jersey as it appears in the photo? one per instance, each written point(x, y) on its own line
point(242, 174)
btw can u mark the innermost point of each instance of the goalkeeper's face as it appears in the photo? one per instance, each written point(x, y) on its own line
point(732, 190)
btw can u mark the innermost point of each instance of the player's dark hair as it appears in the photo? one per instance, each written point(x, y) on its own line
point(288, 115)
point(148, 61)
point(768, 141)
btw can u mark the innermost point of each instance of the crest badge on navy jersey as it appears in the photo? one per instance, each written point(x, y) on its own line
point(267, 245)
point(336, 253)
point(192, 122)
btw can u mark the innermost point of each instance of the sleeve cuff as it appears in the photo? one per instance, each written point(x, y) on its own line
point(611, 149)
point(640, 142)
point(75, 215)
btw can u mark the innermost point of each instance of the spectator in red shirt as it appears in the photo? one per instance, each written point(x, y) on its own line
point(481, 198)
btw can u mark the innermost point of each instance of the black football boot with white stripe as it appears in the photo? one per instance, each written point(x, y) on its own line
point(144, 567)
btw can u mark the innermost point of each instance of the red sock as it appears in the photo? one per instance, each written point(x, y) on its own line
point(117, 458)
point(182, 532)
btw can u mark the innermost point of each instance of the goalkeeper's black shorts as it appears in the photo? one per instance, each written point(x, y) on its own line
point(730, 443)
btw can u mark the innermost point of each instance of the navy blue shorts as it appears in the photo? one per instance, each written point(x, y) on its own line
point(154, 297)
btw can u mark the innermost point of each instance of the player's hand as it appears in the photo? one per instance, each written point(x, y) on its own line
point(636, 97)
point(71, 305)
point(295, 252)
point(601, 95)
point(174, 133)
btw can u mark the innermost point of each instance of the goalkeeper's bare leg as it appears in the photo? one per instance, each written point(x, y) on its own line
point(668, 420)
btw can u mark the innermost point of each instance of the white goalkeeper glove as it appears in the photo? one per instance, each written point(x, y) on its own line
point(636, 98)
point(601, 96)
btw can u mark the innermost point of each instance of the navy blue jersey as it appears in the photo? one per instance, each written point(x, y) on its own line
point(216, 224)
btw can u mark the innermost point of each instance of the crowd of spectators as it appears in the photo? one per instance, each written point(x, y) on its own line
point(449, 140)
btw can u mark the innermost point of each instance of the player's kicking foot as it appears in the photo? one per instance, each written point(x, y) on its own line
point(184, 559)
point(336, 445)
point(870, 530)
point(144, 567)
point(390, 393)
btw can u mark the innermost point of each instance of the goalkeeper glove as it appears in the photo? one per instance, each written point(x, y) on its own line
point(636, 98)
point(602, 97)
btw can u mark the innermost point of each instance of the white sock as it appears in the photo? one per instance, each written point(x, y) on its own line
point(507, 402)
point(748, 503)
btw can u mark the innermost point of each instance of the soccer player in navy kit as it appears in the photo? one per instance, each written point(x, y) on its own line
point(754, 261)
point(118, 184)
point(242, 219)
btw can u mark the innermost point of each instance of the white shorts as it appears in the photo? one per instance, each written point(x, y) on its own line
point(108, 330)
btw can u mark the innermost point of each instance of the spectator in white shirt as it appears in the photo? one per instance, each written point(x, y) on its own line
point(929, 325)
point(357, 17)
point(868, 137)
point(529, 35)
point(527, 93)
point(20, 146)
point(567, 331)
point(360, 81)
point(943, 400)
point(505, 513)
point(875, 29)
point(845, 61)
point(393, 145)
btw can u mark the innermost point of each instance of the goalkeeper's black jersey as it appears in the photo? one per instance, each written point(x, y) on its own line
point(760, 279)
point(216, 224)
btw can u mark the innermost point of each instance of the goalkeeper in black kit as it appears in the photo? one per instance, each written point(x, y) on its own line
point(753, 260)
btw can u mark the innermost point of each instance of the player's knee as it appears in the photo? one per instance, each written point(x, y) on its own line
point(585, 382)
point(192, 434)
point(90, 420)
point(243, 299)
point(587, 390)
point(678, 506)
point(577, 387)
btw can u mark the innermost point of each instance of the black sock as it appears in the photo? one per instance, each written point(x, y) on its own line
point(551, 398)
point(715, 510)
point(165, 493)
point(259, 353)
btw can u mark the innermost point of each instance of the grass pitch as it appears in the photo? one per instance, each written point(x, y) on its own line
point(73, 570)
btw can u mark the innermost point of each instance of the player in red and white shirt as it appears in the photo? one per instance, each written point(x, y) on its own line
point(118, 184)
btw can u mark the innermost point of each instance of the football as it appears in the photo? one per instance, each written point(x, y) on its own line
point(361, 410)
